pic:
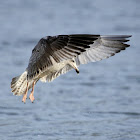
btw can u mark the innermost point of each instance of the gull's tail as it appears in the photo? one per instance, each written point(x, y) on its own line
point(19, 84)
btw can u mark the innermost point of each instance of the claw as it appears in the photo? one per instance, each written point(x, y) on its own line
point(31, 97)
point(24, 98)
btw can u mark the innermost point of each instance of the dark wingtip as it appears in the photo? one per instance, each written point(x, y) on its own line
point(129, 36)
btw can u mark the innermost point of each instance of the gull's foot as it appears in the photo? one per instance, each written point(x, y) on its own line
point(24, 98)
point(31, 97)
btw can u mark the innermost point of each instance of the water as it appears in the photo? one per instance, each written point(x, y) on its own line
point(102, 102)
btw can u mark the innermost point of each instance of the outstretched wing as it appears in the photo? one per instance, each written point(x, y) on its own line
point(84, 48)
point(102, 48)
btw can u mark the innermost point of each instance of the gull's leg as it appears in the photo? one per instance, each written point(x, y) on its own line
point(25, 94)
point(31, 97)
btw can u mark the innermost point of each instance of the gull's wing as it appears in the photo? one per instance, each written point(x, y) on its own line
point(102, 48)
point(84, 48)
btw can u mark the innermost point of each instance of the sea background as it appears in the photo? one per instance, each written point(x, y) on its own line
point(101, 103)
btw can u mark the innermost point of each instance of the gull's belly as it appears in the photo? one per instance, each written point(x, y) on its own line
point(56, 67)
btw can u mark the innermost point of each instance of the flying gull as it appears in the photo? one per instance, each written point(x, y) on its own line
point(56, 55)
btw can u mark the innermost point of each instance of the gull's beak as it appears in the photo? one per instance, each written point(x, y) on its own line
point(73, 64)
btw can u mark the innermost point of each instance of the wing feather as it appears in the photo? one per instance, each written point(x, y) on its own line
point(102, 48)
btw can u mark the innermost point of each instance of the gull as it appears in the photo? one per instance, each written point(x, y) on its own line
point(56, 55)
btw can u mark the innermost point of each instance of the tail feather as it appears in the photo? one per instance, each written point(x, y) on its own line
point(19, 84)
